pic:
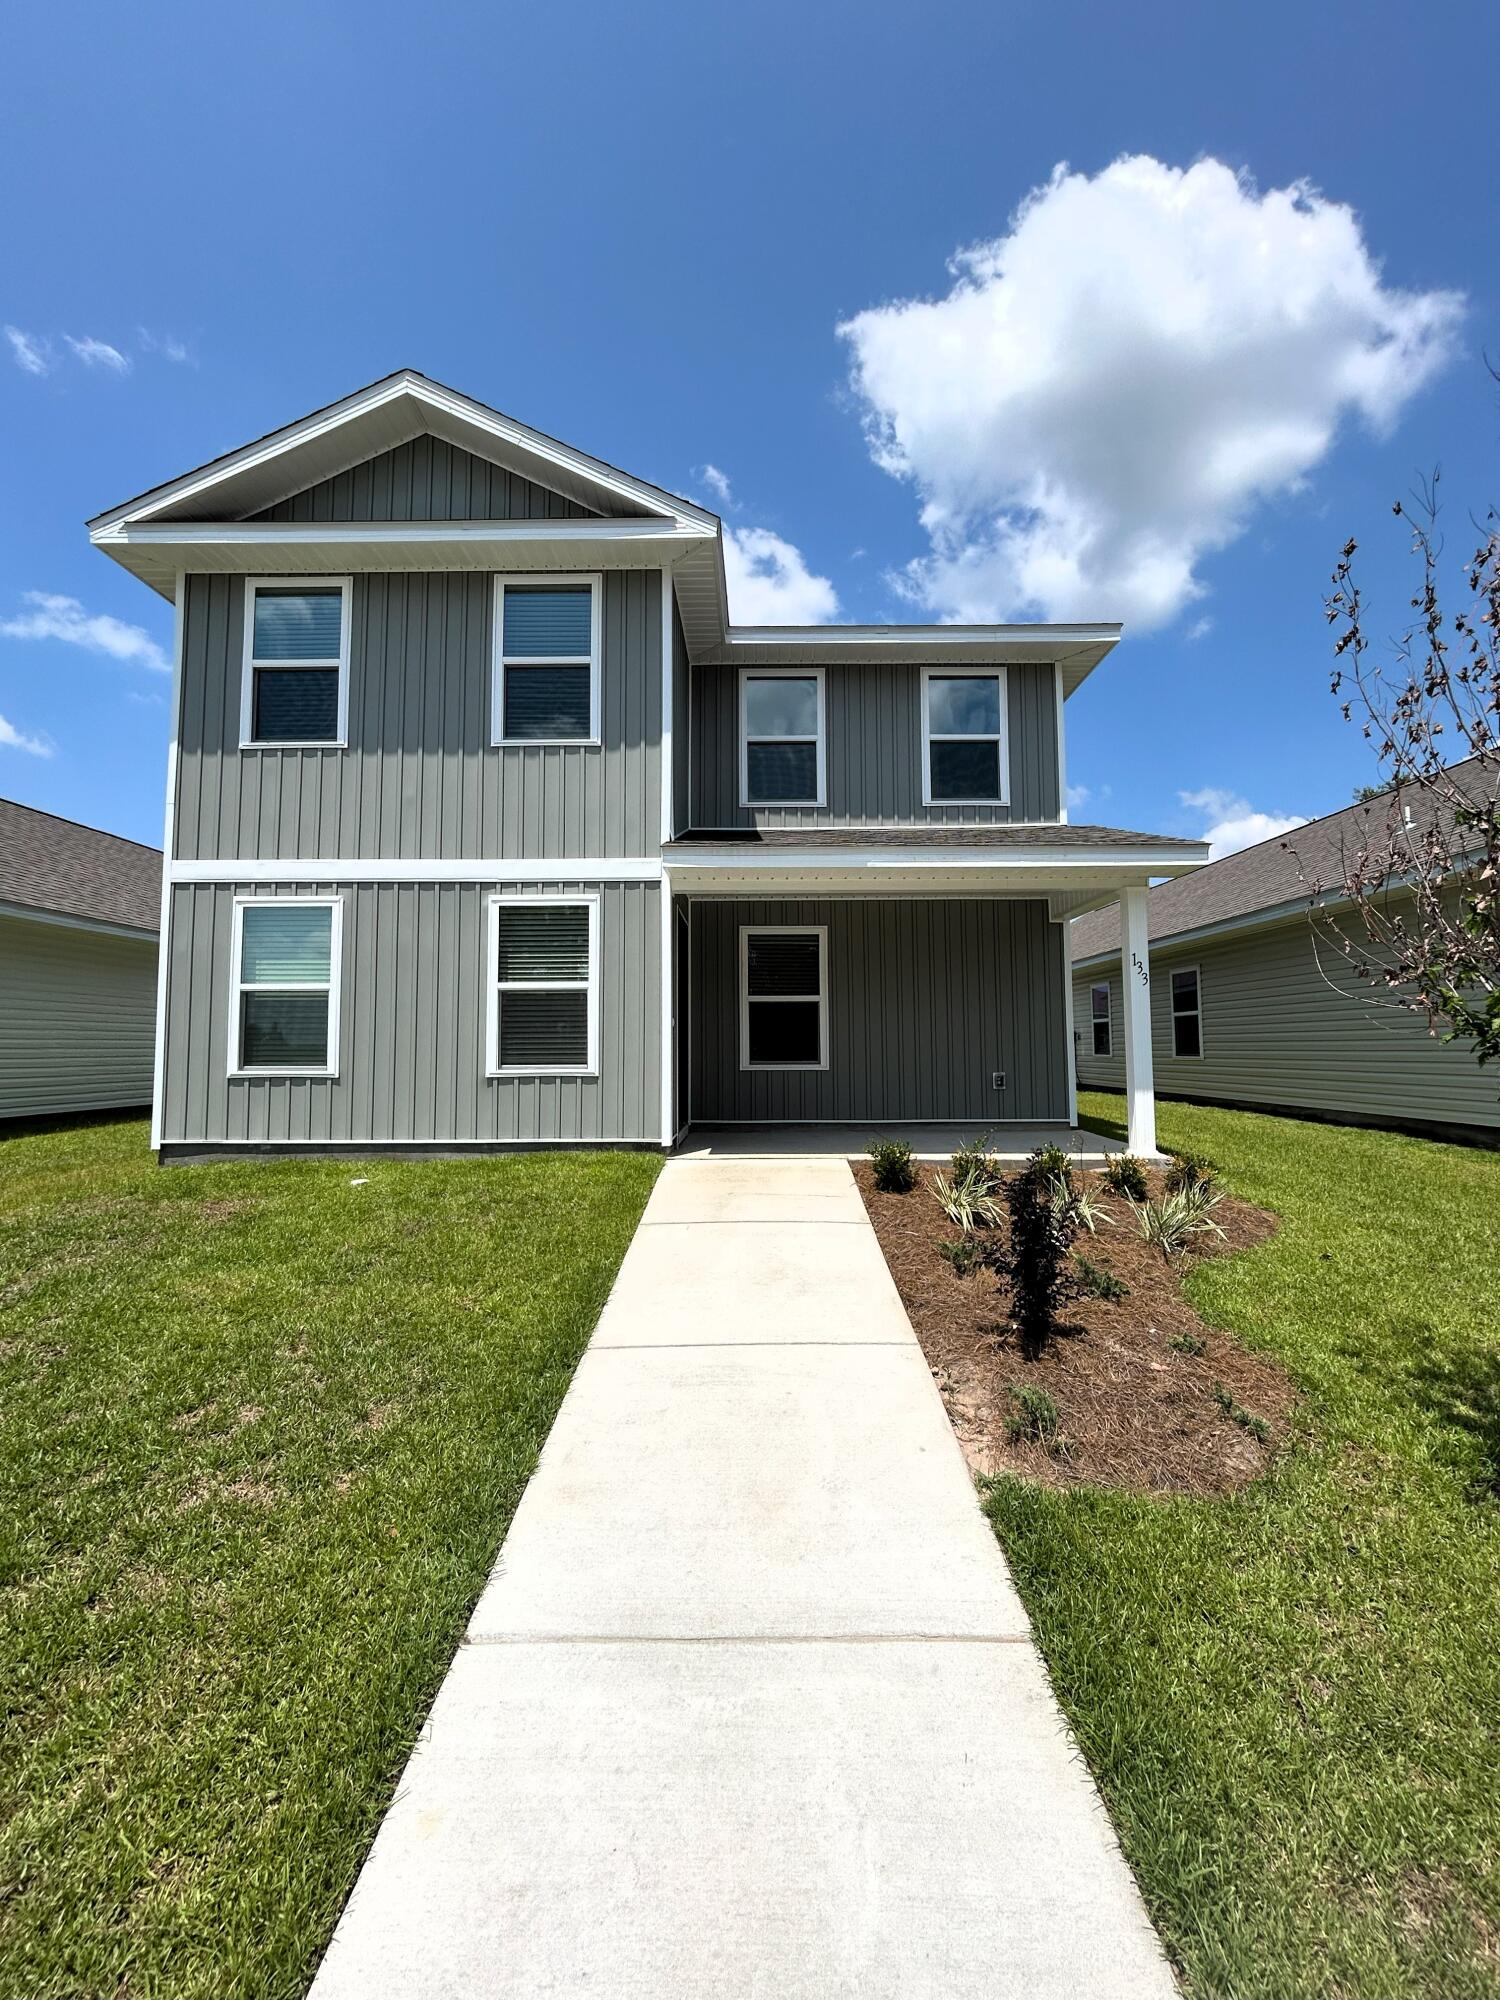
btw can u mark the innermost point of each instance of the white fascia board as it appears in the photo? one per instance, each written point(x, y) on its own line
point(748, 858)
point(1054, 636)
point(201, 535)
point(344, 868)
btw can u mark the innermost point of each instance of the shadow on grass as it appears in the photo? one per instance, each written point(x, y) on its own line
point(1111, 1128)
point(1466, 1395)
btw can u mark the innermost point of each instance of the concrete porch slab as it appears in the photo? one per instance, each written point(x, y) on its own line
point(742, 1189)
point(781, 1489)
point(850, 1142)
point(769, 1821)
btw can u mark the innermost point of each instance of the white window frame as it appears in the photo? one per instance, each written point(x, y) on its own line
point(248, 740)
point(1000, 737)
point(816, 674)
point(509, 899)
point(237, 987)
point(1174, 1012)
point(500, 660)
point(820, 932)
point(1108, 1017)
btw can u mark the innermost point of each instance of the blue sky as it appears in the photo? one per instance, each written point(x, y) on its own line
point(1161, 393)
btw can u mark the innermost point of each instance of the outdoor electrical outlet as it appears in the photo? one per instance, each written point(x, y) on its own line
point(997, 1079)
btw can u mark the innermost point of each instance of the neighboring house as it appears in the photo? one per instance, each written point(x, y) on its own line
point(79, 912)
point(486, 828)
point(1255, 1005)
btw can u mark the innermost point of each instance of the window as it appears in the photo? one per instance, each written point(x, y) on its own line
point(295, 690)
point(1187, 1020)
point(547, 659)
point(781, 737)
point(784, 997)
point(285, 1018)
point(1099, 1006)
point(544, 999)
point(963, 735)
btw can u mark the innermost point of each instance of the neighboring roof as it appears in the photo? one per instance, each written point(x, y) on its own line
point(1274, 878)
point(1010, 836)
point(63, 869)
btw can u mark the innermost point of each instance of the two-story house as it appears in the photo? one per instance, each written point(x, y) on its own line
point(486, 828)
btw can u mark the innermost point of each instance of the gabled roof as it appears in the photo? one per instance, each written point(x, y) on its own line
point(59, 868)
point(1275, 878)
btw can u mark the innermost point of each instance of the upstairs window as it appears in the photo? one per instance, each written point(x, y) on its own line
point(285, 986)
point(296, 680)
point(783, 997)
point(1099, 1006)
point(963, 732)
point(547, 659)
point(544, 1000)
point(781, 737)
point(1187, 1013)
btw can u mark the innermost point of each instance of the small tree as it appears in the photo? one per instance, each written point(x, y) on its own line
point(1037, 1260)
point(1418, 909)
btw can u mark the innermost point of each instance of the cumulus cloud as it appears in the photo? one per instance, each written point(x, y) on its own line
point(1232, 822)
point(717, 483)
point(53, 617)
point(1107, 390)
point(770, 583)
point(28, 352)
point(98, 354)
point(12, 738)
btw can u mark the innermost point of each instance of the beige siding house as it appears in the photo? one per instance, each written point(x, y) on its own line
point(79, 912)
point(1252, 1005)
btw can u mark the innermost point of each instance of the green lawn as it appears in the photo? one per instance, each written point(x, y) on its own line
point(261, 1432)
point(1292, 1698)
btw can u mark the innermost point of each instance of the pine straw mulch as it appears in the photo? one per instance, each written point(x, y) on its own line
point(1133, 1410)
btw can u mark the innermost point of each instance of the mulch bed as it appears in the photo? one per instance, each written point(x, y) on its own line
point(1133, 1410)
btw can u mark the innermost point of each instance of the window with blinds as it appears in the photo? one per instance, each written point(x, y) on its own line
point(965, 732)
point(783, 997)
point(296, 663)
point(781, 739)
point(547, 666)
point(286, 987)
point(543, 1004)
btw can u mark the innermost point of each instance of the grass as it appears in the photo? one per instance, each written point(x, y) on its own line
point(261, 1432)
point(1292, 1698)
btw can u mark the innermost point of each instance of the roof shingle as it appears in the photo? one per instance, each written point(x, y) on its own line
point(70, 870)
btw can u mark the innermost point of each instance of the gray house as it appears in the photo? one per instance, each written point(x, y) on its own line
point(79, 912)
point(486, 828)
point(1253, 1004)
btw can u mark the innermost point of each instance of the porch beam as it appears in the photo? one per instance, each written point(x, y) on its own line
point(1135, 968)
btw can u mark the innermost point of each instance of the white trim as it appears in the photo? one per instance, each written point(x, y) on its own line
point(1176, 1013)
point(248, 663)
point(1105, 987)
point(500, 660)
point(747, 931)
point(334, 989)
point(342, 868)
point(168, 843)
point(492, 1066)
point(747, 856)
point(667, 773)
point(1135, 973)
point(668, 1019)
point(24, 913)
point(818, 677)
point(892, 636)
point(1000, 737)
point(1070, 1041)
point(1062, 754)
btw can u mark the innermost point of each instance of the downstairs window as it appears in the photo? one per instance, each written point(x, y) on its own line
point(543, 1011)
point(286, 977)
point(783, 997)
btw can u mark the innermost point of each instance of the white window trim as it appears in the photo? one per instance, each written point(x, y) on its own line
point(816, 674)
point(820, 932)
point(345, 588)
point(1174, 1012)
point(335, 982)
point(1102, 986)
point(499, 660)
point(1000, 737)
point(493, 988)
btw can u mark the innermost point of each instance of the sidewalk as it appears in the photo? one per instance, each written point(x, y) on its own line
point(749, 1705)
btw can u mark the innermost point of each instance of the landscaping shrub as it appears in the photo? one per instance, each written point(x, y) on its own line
point(1175, 1219)
point(976, 1160)
point(1037, 1259)
point(1191, 1170)
point(1124, 1174)
point(894, 1168)
point(1035, 1418)
point(1082, 1201)
point(1098, 1283)
point(964, 1254)
point(969, 1201)
point(1055, 1164)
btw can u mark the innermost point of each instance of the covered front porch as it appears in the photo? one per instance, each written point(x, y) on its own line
point(831, 983)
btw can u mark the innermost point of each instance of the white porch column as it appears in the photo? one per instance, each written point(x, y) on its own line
point(1135, 967)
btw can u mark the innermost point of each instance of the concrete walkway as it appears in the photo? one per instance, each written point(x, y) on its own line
point(749, 1705)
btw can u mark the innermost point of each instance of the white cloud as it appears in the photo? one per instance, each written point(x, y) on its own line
point(11, 738)
point(164, 344)
point(1107, 390)
point(28, 352)
point(1078, 795)
point(98, 354)
point(1199, 629)
point(770, 583)
point(717, 483)
point(64, 618)
point(1233, 823)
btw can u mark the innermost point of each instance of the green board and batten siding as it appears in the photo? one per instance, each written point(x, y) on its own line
point(1276, 1031)
point(77, 1015)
